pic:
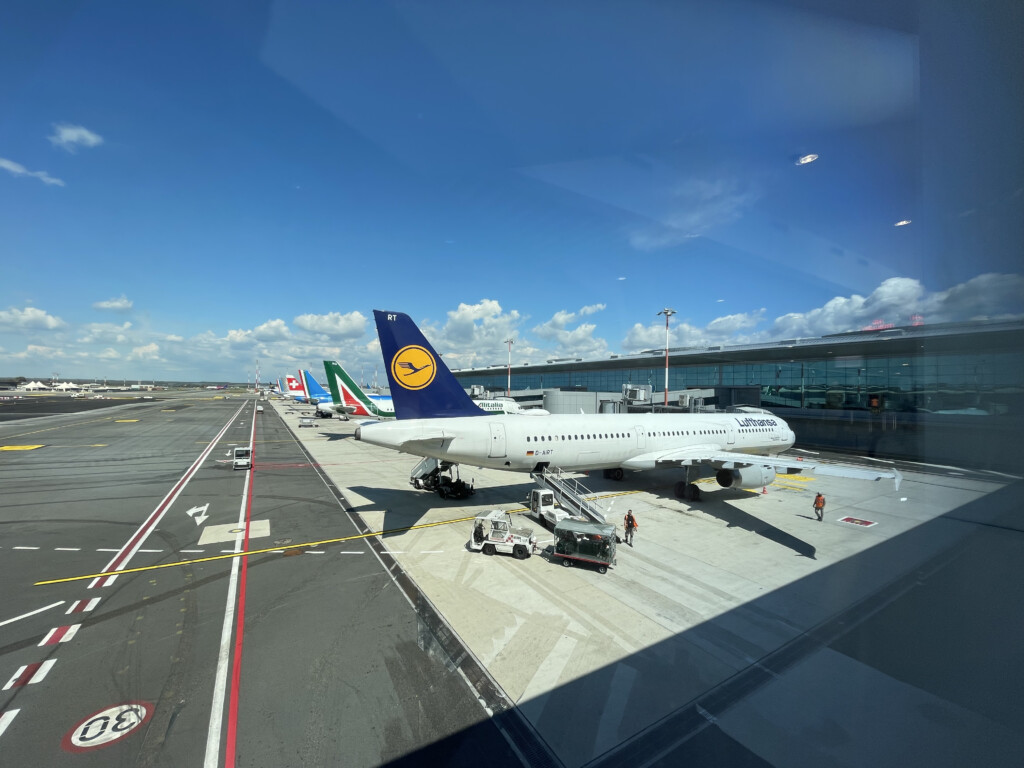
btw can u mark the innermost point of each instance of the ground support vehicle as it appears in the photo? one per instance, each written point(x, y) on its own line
point(242, 459)
point(493, 532)
point(545, 509)
point(586, 542)
point(441, 477)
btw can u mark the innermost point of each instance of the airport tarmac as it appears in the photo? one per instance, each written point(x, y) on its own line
point(738, 629)
point(146, 668)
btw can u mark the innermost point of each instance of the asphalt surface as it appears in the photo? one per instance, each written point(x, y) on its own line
point(738, 631)
point(334, 666)
point(18, 407)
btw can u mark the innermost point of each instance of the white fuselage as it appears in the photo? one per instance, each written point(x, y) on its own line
point(579, 442)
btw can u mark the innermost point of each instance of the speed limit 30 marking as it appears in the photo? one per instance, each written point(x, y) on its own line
point(106, 726)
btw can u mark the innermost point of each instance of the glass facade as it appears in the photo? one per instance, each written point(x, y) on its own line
point(976, 382)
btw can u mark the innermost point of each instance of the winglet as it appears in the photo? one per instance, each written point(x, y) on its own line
point(422, 387)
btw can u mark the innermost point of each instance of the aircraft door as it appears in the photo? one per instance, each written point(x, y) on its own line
point(497, 448)
point(641, 437)
point(731, 429)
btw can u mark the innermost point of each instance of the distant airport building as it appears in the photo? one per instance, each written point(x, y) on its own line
point(950, 392)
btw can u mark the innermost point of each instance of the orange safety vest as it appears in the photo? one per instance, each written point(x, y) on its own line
point(819, 502)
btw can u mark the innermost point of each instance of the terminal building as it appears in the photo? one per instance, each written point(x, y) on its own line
point(950, 394)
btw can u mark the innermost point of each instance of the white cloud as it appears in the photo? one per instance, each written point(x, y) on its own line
point(37, 351)
point(108, 354)
point(120, 304)
point(475, 334)
point(988, 296)
point(105, 333)
point(698, 207)
point(652, 336)
point(240, 337)
point(149, 351)
point(474, 327)
point(71, 137)
point(29, 318)
point(572, 342)
point(17, 169)
point(729, 326)
point(351, 325)
point(271, 330)
point(985, 297)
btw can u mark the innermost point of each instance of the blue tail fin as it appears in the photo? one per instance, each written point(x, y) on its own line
point(313, 388)
point(422, 387)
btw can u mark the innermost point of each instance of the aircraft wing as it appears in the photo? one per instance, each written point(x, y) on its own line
point(786, 465)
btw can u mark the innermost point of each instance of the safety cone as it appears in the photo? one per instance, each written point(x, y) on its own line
point(764, 489)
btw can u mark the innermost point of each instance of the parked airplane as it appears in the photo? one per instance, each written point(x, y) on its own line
point(382, 407)
point(326, 406)
point(295, 389)
point(437, 419)
point(345, 390)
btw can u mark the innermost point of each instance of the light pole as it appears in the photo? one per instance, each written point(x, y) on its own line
point(667, 313)
point(510, 341)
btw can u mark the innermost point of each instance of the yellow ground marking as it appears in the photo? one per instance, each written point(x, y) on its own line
point(72, 445)
point(289, 548)
point(19, 447)
point(789, 487)
point(63, 426)
point(125, 421)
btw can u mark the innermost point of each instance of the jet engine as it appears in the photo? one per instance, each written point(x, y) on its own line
point(748, 477)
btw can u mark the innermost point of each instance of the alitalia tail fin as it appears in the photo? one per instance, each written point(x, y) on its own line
point(345, 390)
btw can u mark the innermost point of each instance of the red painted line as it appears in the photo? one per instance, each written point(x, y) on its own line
point(82, 606)
point(126, 552)
point(236, 663)
point(60, 634)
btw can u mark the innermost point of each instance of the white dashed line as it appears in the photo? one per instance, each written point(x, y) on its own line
point(6, 718)
point(67, 549)
point(30, 674)
point(32, 613)
point(24, 547)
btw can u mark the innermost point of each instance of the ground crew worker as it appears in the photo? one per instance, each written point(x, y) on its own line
point(630, 524)
point(819, 506)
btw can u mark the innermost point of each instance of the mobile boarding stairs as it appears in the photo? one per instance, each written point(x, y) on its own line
point(570, 494)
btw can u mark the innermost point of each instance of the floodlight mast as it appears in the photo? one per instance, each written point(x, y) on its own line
point(667, 313)
point(508, 390)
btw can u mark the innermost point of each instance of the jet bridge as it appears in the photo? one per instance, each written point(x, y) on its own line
point(570, 493)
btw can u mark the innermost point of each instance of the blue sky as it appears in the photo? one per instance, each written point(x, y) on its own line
point(188, 187)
